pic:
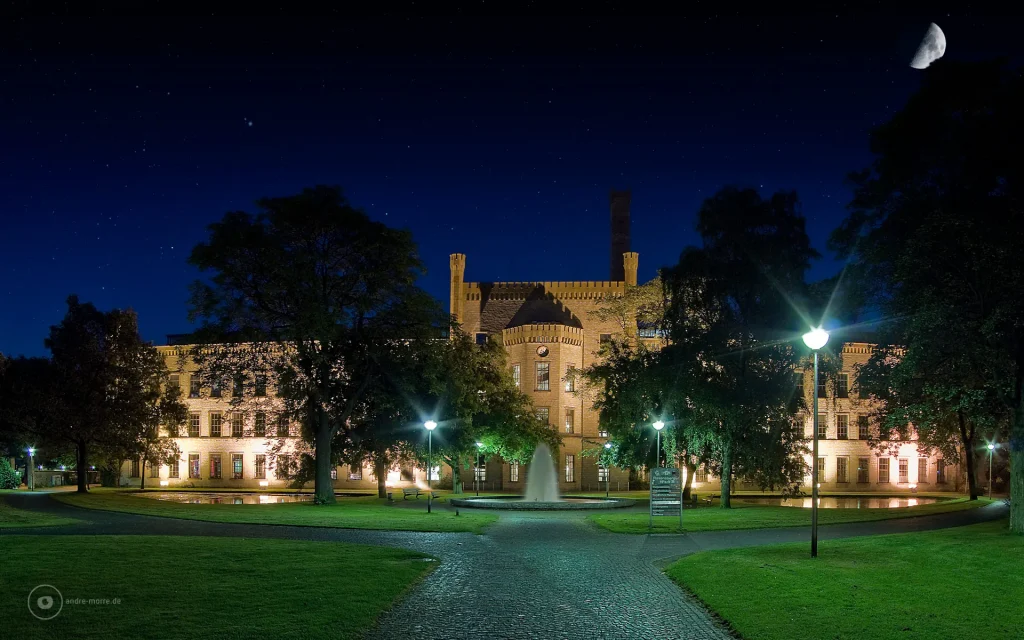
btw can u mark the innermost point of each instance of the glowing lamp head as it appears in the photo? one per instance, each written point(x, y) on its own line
point(816, 338)
point(607, 445)
point(991, 447)
point(430, 425)
point(31, 451)
point(659, 425)
point(479, 444)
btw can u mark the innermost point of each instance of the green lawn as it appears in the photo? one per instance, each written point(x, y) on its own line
point(750, 516)
point(964, 582)
point(348, 513)
point(11, 518)
point(191, 587)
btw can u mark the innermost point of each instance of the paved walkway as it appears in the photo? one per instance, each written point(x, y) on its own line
point(532, 575)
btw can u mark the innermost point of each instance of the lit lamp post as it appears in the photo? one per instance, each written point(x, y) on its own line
point(30, 480)
point(476, 471)
point(815, 339)
point(430, 425)
point(991, 448)
point(658, 426)
point(607, 470)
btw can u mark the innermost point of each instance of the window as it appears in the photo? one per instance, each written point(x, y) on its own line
point(940, 471)
point(821, 468)
point(216, 388)
point(215, 470)
point(570, 468)
point(355, 473)
point(701, 475)
point(282, 426)
point(284, 466)
point(516, 376)
point(154, 470)
point(862, 469)
point(602, 473)
point(134, 473)
point(173, 469)
point(862, 427)
point(236, 466)
point(238, 388)
point(435, 473)
point(259, 469)
point(260, 387)
point(883, 470)
point(193, 465)
point(237, 424)
point(544, 414)
point(822, 426)
point(481, 338)
point(842, 469)
point(922, 470)
point(193, 386)
point(904, 470)
point(844, 386)
point(174, 382)
point(334, 473)
point(843, 426)
point(513, 472)
point(543, 376)
point(570, 379)
point(259, 428)
point(602, 432)
point(799, 381)
point(606, 338)
point(480, 472)
point(821, 386)
point(570, 420)
point(215, 425)
point(193, 425)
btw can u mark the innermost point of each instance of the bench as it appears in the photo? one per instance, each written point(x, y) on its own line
point(709, 498)
point(410, 491)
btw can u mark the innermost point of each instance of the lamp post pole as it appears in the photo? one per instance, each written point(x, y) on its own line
point(476, 469)
point(815, 339)
point(991, 448)
point(607, 472)
point(30, 477)
point(658, 426)
point(430, 425)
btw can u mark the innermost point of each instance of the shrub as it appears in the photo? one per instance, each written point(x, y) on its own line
point(9, 478)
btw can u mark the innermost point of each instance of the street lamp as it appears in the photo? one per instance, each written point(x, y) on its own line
point(30, 480)
point(429, 425)
point(991, 448)
point(607, 471)
point(476, 471)
point(815, 339)
point(658, 426)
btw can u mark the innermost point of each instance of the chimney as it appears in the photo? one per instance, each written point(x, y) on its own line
point(620, 233)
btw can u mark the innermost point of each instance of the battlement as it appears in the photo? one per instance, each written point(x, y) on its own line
point(567, 290)
point(542, 333)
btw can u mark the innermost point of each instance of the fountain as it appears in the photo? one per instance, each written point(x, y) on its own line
point(541, 491)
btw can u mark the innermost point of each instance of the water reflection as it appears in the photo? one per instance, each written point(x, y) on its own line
point(227, 498)
point(844, 502)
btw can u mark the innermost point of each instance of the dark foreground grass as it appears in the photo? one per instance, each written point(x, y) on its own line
point(964, 582)
point(748, 516)
point(348, 513)
point(191, 587)
point(11, 518)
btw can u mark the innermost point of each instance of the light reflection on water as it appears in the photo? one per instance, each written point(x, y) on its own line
point(844, 502)
point(185, 497)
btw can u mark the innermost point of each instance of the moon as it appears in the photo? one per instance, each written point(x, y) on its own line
point(931, 48)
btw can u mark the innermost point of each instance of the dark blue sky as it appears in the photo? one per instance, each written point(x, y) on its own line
point(122, 138)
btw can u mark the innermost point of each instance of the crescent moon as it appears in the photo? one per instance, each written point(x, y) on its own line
point(931, 48)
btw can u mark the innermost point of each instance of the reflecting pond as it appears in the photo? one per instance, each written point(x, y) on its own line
point(842, 502)
point(188, 497)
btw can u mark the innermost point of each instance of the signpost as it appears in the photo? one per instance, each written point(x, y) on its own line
point(666, 494)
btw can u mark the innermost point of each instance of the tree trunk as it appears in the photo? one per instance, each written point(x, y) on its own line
point(456, 476)
point(381, 472)
point(323, 488)
point(690, 470)
point(1017, 470)
point(724, 501)
point(142, 475)
point(970, 456)
point(83, 477)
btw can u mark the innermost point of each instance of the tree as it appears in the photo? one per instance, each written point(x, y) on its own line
point(107, 383)
point(157, 442)
point(934, 232)
point(315, 283)
point(731, 321)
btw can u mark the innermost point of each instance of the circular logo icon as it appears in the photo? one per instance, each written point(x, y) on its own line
point(45, 602)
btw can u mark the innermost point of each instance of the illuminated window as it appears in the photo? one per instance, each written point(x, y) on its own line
point(215, 418)
point(544, 414)
point(154, 470)
point(516, 376)
point(260, 387)
point(904, 470)
point(237, 424)
point(822, 426)
point(543, 376)
point(193, 465)
point(940, 471)
point(174, 469)
point(570, 380)
point(842, 469)
point(842, 426)
point(193, 425)
point(513, 472)
point(844, 386)
point(282, 426)
point(260, 424)
point(922, 470)
point(601, 432)
point(193, 386)
point(174, 382)
point(236, 466)
point(355, 473)
point(602, 473)
point(435, 473)
point(701, 475)
point(862, 469)
point(862, 427)
point(259, 470)
point(480, 472)
point(883, 470)
point(570, 420)
point(215, 470)
point(134, 473)
point(570, 468)
point(821, 469)
point(334, 473)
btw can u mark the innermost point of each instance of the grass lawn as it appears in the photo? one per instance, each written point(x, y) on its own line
point(192, 587)
point(348, 513)
point(964, 582)
point(11, 518)
point(751, 516)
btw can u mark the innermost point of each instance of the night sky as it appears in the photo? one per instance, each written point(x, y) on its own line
point(122, 138)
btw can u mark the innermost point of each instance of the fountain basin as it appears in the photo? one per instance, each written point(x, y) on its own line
point(519, 503)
